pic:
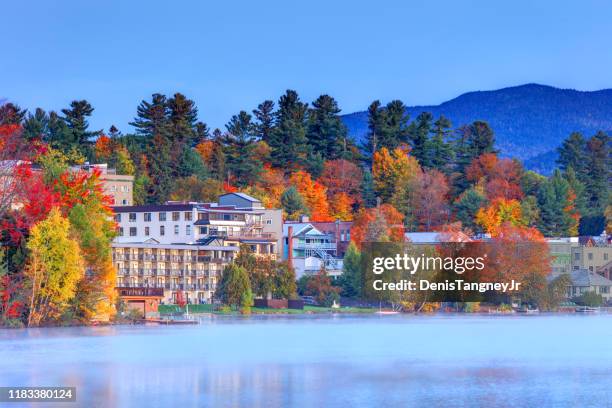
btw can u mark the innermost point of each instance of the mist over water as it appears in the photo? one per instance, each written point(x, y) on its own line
point(544, 360)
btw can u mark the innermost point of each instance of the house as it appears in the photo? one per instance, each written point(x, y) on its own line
point(120, 187)
point(584, 281)
point(307, 249)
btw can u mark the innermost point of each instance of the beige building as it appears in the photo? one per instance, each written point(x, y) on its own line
point(591, 257)
point(193, 270)
point(119, 186)
point(183, 247)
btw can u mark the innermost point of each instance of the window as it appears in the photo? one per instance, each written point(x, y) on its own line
point(132, 231)
point(203, 230)
point(227, 217)
point(269, 222)
point(590, 255)
point(176, 230)
point(188, 216)
point(147, 231)
point(605, 256)
point(124, 202)
point(162, 230)
point(577, 256)
point(121, 231)
point(162, 216)
point(176, 216)
point(132, 217)
point(591, 268)
point(188, 230)
point(147, 217)
point(113, 188)
point(604, 289)
point(117, 217)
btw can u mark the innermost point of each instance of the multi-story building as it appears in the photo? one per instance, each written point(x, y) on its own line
point(118, 186)
point(307, 249)
point(183, 247)
point(561, 253)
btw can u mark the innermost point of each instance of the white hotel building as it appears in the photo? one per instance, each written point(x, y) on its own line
point(183, 247)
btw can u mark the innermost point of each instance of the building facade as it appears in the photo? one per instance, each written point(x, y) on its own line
point(120, 187)
point(308, 249)
point(183, 247)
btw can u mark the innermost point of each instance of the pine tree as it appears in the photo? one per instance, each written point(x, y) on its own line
point(419, 138)
point(553, 200)
point(288, 138)
point(76, 120)
point(11, 114)
point(375, 128)
point(441, 153)
point(36, 126)
point(367, 190)
point(239, 150)
point(113, 132)
point(351, 272)
point(572, 153)
point(183, 116)
point(265, 120)
point(599, 172)
point(293, 204)
point(466, 207)
point(326, 133)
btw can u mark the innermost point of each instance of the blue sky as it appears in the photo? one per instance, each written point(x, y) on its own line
point(231, 55)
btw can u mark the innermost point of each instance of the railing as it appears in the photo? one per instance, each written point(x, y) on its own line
point(317, 245)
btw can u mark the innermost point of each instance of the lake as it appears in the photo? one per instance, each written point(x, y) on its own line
point(323, 361)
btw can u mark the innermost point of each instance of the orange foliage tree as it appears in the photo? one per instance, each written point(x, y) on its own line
point(314, 193)
point(500, 211)
point(500, 177)
point(341, 207)
point(342, 176)
point(384, 218)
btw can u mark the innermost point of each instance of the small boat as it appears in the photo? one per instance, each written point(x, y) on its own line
point(387, 312)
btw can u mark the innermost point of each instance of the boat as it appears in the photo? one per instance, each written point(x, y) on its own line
point(587, 309)
point(387, 312)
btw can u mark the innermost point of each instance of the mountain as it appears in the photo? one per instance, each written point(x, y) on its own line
point(530, 121)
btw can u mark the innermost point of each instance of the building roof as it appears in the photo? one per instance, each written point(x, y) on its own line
point(242, 195)
point(584, 277)
point(432, 237)
point(154, 208)
point(300, 228)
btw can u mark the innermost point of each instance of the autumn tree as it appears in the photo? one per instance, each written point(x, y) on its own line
point(342, 176)
point(320, 286)
point(379, 223)
point(54, 269)
point(498, 213)
point(314, 193)
point(391, 170)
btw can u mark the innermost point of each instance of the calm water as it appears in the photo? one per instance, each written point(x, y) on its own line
point(323, 362)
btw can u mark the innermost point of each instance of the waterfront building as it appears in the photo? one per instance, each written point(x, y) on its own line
point(307, 249)
point(561, 253)
point(584, 281)
point(183, 247)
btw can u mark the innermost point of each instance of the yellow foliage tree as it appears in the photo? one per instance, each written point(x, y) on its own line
point(392, 169)
point(499, 212)
point(55, 267)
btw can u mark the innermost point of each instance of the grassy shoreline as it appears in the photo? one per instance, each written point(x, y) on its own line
point(199, 309)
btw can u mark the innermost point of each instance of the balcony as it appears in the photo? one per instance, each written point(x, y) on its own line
point(315, 245)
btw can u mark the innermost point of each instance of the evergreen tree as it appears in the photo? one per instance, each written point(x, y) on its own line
point(202, 132)
point(293, 204)
point(152, 117)
point(76, 121)
point(395, 130)
point(11, 114)
point(288, 138)
point(441, 151)
point(553, 199)
point(367, 190)
point(326, 132)
point(113, 132)
point(466, 207)
point(36, 126)
point(239, 150)
point(183, 116)
point(351, 272)
point(419, 138)
point(375, 128)
point(234, 289)
point(572, 154)
point(265, 120)
point(598, 173)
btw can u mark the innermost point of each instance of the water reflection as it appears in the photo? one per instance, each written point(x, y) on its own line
point(363, 361)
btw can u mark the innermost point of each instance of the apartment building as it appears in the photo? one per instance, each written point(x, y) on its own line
point(118, 186)
point(307, 249)
point(183, 247)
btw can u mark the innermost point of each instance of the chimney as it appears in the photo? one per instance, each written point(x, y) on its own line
point(290, 244)
point(304, 218)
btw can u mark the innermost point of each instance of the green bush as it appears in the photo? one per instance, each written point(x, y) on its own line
point(589, 299)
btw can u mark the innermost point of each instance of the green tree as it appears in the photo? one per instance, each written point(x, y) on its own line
point(351, 272)
point(367, 190)
point(234, 289)
point(419, 138)
point(76, 120)
point(553, 198)
point(293, 203)
point(466, 207)
point(598, 173)
point(239, 150)
point(441, 153)
point(572, 154)
point(265, 120)
point(284, 281)
point(326, 133)
point(288, 137)
point(36, 126)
